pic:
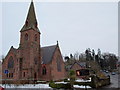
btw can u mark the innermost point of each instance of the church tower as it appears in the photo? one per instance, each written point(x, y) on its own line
point(29, 47)
point(30, 61)
point(30, 32)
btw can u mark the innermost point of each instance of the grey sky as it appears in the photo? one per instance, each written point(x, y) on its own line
point(76, 25)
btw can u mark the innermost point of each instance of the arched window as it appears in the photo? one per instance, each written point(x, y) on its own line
point(7, 75)
point(26, 36)
point(10, 62)
point(26, 23)
point(23, 74)
point(35, 37)
point(11, 74)
point(35, 61)
point(35, 75)
point(58, 65)
point(44, 70)
point(36, 24)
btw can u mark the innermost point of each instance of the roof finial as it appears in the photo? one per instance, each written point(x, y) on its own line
point(57, 42)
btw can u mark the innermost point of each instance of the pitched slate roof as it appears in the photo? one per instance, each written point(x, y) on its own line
point(31, 19)
point(81, 64)
point(47, 53)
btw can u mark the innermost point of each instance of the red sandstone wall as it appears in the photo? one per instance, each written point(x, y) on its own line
point(46, 77)
point(5, 66)
point(55, 74)
point(30, 50)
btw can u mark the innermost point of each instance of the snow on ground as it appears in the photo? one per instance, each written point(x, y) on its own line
point(61, 82)
point(26, 86)
point(43, 85)
point(77, 86)
point(82, 80)
point(36, 86)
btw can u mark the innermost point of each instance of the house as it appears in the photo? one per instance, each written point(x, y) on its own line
point(77, 66)
point(30, 61)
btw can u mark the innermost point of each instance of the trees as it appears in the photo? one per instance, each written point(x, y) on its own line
point(72, 78)
point(109, 61)
point(93, 54)
point(88, 54)
point(99, 56)
point(104, 60)
point(2, 57)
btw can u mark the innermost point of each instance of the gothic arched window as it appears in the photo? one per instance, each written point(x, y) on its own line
point(35, 75)
point(26, 36)
point(35, 61)
point(44, 70)
point(10, 62)
point(23, 74)
point(26, 23)
point(36, 24)
point(35, 37)
point(58, 65)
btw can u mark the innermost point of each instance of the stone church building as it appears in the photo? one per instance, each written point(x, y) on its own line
point(30, 61)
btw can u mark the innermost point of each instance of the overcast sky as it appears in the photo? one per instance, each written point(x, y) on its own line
point(76, 25)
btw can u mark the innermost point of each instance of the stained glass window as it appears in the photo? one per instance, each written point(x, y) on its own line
point(10, 62)
point(26, 36)
point(35, 61)
point(44, 70)
point(58, 65)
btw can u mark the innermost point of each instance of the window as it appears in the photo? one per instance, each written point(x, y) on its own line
point(23, 74)
point(17, 60)
point(35, 37)
point(58, 65)
point(44, 71)
point(11, 74)
point(7, 75)
point(35, 75)
point(35, 61)
point(26, 36)
point(20, 61)
point(10, 62)
point(36, 24)
point(26, 23)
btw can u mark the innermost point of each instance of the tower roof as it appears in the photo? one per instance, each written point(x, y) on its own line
point(31, 21)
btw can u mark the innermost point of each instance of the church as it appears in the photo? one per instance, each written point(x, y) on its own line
point(30, 61)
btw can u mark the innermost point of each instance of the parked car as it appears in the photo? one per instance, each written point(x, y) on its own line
point(113, 73)
point(104, 70)
point(107, 71)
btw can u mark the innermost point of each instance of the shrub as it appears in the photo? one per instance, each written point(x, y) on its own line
point(72, 77)
point(71, 72)
point(97, 82)
point(51, 81)
point(65, 80)
point(52, 84)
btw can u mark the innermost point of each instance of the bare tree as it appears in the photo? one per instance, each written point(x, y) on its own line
point(93, 54)
point(76, 56)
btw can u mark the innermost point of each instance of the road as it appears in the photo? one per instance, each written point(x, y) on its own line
point(115, 81)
